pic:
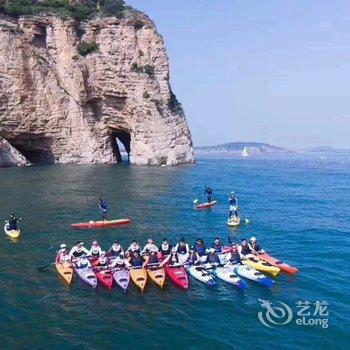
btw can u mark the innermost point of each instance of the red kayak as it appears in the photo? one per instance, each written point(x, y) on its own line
point(275, 262)
point(178, 275)
point(205, 205)
point(104, 276)
point(101, 224)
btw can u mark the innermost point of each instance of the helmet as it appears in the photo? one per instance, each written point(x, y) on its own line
point(253, 239)
point(103, 253)
point(63, 246)
point(232, 192)
point(94, 243)
point(211, 250)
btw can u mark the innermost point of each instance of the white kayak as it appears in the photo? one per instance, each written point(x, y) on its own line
point(201, 274)
point(226, 274)
point(252, 274)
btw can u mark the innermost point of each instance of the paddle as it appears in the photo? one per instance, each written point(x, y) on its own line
point(41, 267)
point(247, 221)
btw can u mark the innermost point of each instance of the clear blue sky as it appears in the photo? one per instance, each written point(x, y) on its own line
point(269, 71)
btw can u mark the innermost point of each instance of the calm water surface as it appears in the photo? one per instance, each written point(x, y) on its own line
point(299, 210)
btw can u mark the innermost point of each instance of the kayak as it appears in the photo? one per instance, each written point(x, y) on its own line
point(105, 277)
point(65, 270)
point(275, 262)
point(205, 205)
point(122, 278)
point(201, 274)
point(100, 224)
point(262, 266)
point(139, 277)
point(178, 275)
point(252, 274)
point(226, 274)
point(157, 275)
point(12, 233)
point(86, 275)
point(234, 221)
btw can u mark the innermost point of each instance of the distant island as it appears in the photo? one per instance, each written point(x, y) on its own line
point(247, 148)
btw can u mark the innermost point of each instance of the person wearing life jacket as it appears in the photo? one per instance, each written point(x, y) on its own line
point(193, 257)
point(233, 256)
point(151, 259)
point(78, 250)
point(182, 247)
point(102, 260)
point(245, 249)
point(150, 246)
point(13, 222)
point(82, 262)
point(208, 192)
point(233, 204)
point(119, 262)
point(136, 260)
point(212, 258)
point(103, 207)
point(172, 259)
point(199, 247)
point(256, 246)
point(115, 250)
point(165, 247)
point(217, 245)
point(63, 255)
point(133, 247)
point(95, 250)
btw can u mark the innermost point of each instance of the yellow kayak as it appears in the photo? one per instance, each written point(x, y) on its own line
point(234, 221)
point(157, 275)
point(139, 277)
point(12, 233)
point(262, 266)
point(65, 270)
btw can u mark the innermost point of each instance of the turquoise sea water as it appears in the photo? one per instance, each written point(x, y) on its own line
point(299, 210)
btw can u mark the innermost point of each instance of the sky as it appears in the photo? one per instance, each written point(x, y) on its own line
point(267, 71)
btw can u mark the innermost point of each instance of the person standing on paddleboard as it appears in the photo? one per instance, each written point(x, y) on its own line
point(233, 204)
point(208, 192)
point(13, 222)
point(103, 206)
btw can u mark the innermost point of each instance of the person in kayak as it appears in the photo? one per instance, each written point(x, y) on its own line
point(182, 247)
point(152, 258)
point(193, 257)
point(63, 255)
point(119, 262)
point(200, 247)
point(103, 207)
point(102, 260)
point(212, 258)
point(95, 250)
point(245, 249)
point(165, 247)
point(233, 256)
point(233, 205)
point(208, 192)
point(82, 262)
point(133, 247)
point(217, 245)
point(115, 250)
point(256, 246)
point(150, 246)
point(172, 259)
point(78, 250)
point(136, 260)
point(13, 222)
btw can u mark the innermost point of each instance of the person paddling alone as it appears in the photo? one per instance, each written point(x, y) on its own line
point(103, 206)
point(208, 192)
point(233, 204)
point(13, 222)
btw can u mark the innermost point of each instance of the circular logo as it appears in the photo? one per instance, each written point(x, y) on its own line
point(274, 315)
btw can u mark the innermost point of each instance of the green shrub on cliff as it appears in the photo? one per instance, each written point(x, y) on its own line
point(63, 8)
point(86, 48)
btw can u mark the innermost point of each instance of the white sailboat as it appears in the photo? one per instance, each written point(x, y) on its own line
point(245, 152)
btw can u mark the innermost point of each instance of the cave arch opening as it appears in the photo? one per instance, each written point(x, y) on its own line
point(121, 140)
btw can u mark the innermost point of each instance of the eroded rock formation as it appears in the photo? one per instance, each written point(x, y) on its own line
point(9, 156)
point(57, 105)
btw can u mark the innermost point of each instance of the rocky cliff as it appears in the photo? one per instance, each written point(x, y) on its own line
point(69, 90)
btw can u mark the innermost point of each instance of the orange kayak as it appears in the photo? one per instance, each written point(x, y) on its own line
point(157, 275)
point(65, 270)
point(278, 263)
point(139, 277)
point(101, 224)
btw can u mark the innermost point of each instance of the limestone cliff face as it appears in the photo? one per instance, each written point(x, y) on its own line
point(59, 106)
point(9, 156)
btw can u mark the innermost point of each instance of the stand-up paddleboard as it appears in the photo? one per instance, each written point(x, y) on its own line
point(234, 221)
point(205, 205)
point(101, 224)
point(12, 233)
